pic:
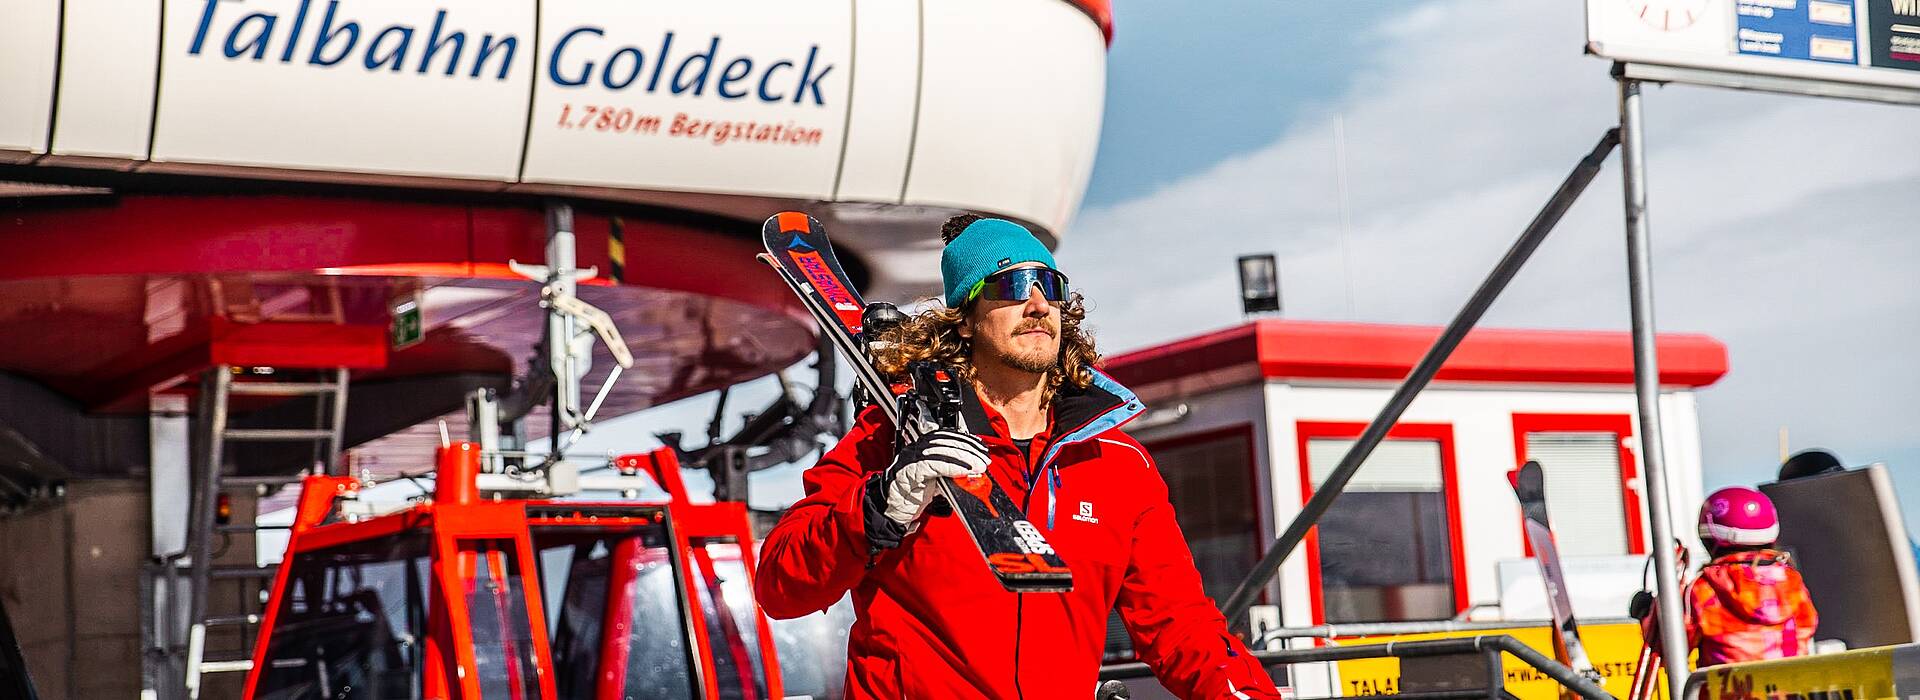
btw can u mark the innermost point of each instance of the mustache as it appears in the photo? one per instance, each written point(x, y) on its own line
point(1034, 324)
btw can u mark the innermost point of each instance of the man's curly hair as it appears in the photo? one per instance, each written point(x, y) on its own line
point(952, 228)
point(934, 334)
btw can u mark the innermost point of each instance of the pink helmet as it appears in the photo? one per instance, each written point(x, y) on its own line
point(1738, 515)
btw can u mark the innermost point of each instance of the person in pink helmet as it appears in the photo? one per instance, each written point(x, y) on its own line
point(1748, 603)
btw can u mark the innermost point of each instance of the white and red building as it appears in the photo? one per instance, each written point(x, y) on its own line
point(1244, 422)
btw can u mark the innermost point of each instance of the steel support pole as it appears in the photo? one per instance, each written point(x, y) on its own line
point(1646, 383)
point(568, 367)
point(1235, 607)
point(206, 497)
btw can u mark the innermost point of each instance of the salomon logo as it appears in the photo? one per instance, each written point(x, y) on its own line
point(1086, 513)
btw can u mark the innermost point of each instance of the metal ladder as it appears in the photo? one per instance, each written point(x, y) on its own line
point(217, 387)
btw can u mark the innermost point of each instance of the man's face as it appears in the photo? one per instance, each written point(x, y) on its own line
point(1023, 335)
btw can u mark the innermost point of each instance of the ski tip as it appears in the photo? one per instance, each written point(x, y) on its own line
point(1528, 479)
point(790, 221)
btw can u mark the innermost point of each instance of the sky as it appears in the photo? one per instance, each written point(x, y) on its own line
point(1783, 226)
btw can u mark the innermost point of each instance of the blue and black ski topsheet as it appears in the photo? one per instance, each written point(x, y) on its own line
point(1530, 487)
point(1015, 550)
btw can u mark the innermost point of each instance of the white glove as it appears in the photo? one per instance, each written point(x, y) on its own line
point(909, 483)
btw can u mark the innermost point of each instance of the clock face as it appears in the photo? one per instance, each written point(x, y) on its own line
point(1668, 15)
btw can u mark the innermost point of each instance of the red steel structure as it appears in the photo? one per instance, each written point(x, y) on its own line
point(465, 596)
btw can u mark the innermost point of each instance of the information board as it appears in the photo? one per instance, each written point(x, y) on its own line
point(1859, 42)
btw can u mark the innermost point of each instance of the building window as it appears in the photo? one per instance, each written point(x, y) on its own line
point(1587, 467)
point(1386, 550)
point(1210, 483)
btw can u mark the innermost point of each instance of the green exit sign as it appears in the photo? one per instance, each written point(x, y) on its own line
point(406, 328)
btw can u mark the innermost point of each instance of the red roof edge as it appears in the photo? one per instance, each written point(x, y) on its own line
point(1101, 12)
point(1286, 349)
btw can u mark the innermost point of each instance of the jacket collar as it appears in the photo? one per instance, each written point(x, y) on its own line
point(1077, 414)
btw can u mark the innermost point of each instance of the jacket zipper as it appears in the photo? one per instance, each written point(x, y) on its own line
point(1020, 599)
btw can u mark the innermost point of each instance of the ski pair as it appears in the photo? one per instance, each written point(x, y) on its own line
point(1530, 487)
point(1014, 549)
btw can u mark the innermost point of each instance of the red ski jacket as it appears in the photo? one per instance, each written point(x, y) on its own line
point(1746, 606)
point(932, 622)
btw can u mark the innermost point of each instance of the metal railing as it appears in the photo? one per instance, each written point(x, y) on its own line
point(1381, 629)
point(1490, 645)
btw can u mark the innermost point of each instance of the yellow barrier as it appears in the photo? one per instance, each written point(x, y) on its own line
point(1880, 673)
point(1614, 649)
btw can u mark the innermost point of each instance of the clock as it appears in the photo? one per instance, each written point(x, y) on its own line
point(1668, 15)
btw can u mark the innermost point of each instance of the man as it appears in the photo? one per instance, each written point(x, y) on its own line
point(1748, 603)
point(932, 621)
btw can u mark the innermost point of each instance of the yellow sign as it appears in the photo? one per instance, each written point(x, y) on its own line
point(1614, 649)
point(1864, 674)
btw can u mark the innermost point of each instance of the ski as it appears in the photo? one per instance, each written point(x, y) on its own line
point(1014, 549)
point(1530, 486)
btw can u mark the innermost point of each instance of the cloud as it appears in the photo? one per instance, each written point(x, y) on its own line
point(1782, 225)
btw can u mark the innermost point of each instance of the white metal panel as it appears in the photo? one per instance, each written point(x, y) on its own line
point(885, 89)
point(1010, 106)
point(281, 104)
point(768, 119)
point(169, 472)
point(1679, 414)
point(1295, 582)
point(1584, 498)
point(107, 56)
point(1598, 586)
point(1697, 27)
point(29, 41)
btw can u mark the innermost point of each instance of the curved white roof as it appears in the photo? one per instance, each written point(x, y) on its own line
point(873, 114)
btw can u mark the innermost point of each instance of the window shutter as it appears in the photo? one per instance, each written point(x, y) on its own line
point(1585, 501)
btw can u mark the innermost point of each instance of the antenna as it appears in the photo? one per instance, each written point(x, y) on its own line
point(1346, 217)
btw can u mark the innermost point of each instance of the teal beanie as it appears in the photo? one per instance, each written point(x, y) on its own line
point(983, 248)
